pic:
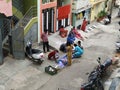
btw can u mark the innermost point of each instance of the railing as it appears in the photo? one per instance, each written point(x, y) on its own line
point(18, 33)
point(18, 4)
point(32, 12)
point(5, 28)
point(8, 24)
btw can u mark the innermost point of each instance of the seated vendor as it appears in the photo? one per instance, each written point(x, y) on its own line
point(71, 37)
point(62, 32)
point(77, 34)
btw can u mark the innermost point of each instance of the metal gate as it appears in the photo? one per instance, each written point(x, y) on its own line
point(4, 31)
point(18, 43)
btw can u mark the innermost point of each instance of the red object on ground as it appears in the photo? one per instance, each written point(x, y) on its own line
point(63, 33)
point(52, 55)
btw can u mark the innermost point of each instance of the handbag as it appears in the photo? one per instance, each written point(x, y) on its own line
point(50, 70)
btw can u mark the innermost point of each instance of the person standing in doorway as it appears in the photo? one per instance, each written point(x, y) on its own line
point(44, 38)
point(69, 53)
point(84, 24)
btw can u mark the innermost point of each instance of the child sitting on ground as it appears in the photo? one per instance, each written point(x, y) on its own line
point(79, 44)
point(77, 51)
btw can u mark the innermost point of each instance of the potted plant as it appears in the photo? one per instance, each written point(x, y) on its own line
point(101, 15)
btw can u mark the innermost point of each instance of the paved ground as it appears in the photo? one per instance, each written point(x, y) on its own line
point(24, 75)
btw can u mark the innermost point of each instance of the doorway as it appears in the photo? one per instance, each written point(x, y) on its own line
point(63, 22)
point(48, 20)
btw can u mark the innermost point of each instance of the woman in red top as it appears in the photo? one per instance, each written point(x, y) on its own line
point(83, 26)
point(62, 32)
point(77, 34)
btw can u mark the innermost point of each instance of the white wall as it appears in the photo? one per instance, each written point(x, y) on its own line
point(81, 3)
point(117, 2)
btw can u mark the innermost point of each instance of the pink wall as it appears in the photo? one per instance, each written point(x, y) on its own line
point(6, 7)
point(49, 5)
point(45, 6)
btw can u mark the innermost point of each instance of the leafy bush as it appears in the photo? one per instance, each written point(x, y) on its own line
point(102, 14)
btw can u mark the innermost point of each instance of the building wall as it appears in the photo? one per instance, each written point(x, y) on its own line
point(67, 2)
point(78, 8)
point(31, 31)
point(46, 6)
point(32, 34)
point(78, 18)
point(108, 8)
point(96, 9)
point(92, 13)
point(6, 7)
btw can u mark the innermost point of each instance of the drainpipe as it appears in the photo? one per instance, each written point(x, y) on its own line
point(38, 15)
point(1, 51)
point(112, 2)
point(70, 15)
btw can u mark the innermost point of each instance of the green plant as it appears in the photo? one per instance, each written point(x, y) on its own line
point(102, 14)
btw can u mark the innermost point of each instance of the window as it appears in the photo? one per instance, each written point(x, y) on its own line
point(79, 16)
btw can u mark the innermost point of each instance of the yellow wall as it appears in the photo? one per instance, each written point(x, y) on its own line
point(96, 9)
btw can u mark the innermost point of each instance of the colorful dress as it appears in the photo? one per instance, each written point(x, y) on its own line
point(83, 26)
point(77, 34)
point(69, 54)
point(77, 52)
point(71, 38)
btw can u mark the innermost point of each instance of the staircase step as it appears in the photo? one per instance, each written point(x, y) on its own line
point(6, 48)
point(5, 52)
point(6, 44)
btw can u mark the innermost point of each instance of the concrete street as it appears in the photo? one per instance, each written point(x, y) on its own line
point(24, 75)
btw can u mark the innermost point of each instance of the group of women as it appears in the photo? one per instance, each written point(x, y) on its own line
point(71, 49)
